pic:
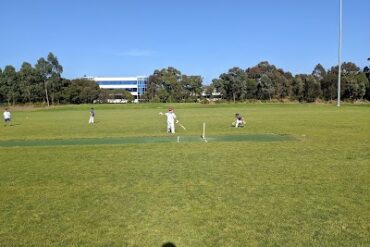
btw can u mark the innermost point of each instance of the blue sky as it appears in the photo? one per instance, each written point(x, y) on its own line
point(198, 37)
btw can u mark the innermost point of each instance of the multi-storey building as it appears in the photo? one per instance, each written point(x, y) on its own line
point(135, 85)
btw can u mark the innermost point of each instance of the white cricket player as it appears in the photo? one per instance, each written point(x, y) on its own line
point(92, 116)
point(239, 121)
point(7, 117)
point(171, 117)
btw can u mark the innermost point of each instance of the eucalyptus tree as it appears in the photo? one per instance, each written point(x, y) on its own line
point(355, 83)
point(9, 85)
point(164, 85)
point(232, 84)
point(272, 82)
point(239, 83)
point(27, 81)
point(153, 87)
point(50, 72)
point(171, 81)
point(265, 88)
point(281, 83)
point(319, 72)
point(43, 68)
point(192, 87)
point(81, 91)
point(218, 85)
point(297, 92)
point(329, 84)
point(355, 86)
point(170, 85)
point(251, 91)
point(55, 80)
point(349, 68)
point(312, 88)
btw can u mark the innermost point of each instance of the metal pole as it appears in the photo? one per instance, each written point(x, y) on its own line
point(339, 50)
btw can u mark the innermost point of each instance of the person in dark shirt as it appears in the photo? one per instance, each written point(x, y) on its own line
point(239, 121)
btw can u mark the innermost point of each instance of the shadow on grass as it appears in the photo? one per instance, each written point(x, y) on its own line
point(11, 124)
point(168, 244)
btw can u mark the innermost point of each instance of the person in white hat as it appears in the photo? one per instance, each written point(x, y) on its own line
point(171, 116)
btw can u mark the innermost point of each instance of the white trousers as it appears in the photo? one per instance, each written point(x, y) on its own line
point(171, 127)
point(91, 120)
point(238, 122)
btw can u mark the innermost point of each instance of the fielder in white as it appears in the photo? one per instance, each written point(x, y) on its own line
point(239, 121)
point(171, 116)
point(92, 116)
point(7, 117)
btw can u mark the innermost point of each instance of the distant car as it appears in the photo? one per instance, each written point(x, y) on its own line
point(117, 101)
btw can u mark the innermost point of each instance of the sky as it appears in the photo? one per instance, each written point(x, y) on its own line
point(198, 37)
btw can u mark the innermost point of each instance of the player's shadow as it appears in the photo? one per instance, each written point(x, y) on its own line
point(168, 244)
point(11, 125)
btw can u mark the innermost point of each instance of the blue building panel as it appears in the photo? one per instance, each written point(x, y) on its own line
point(116, 82)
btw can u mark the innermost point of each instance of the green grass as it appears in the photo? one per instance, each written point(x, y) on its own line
point(310, 191)
point(139, 139)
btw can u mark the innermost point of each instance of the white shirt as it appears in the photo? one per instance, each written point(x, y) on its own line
point(170, 117)
point(7, 115)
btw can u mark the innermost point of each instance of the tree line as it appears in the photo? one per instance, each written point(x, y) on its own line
point(43, 83)
point(169, 85)
point(266, 82)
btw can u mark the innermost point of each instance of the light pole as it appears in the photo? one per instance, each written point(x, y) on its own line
point(339, 50)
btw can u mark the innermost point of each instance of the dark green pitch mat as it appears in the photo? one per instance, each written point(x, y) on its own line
point(147, 139)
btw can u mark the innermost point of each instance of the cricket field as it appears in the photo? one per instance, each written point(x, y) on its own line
point(295, 175)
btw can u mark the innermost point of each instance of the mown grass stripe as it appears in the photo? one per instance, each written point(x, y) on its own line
point(141, 139)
